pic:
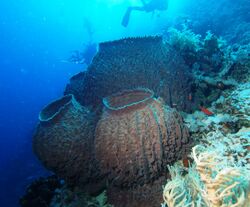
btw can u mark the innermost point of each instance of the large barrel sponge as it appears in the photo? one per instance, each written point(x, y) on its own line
point(130, 63)
point(63, 140)
point(137, 136)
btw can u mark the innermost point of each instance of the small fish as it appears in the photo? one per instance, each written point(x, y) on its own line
point(185, 162)
point(190, 97)
point(206, 111)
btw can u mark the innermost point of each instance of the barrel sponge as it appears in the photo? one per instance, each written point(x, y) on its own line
point(63, 140)
point(137, 136)
point(130, 63)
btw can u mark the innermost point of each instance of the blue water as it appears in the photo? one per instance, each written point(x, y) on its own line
point(36, 37)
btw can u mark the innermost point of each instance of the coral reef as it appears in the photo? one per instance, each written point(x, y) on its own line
point(215, 65)
point(210, 182)
point(144, 195)
point(225, 18)
point(40, 193)
point(67, 197)
point(118, 65)
point(224, 185)
point(64, 139)
point(219, 175)
point(137, 136)
point(127, 144)
point(238, 63)
point(186, 42)
point(208, 54)
point(232, 110)
point(183, 189)
point(219, 171)
point(53, 192)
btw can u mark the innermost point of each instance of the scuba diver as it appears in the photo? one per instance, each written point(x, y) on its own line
point(151, 6)
point(85, 55)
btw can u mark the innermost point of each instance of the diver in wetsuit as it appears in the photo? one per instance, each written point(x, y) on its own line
point(151, 6)
point(85, 55)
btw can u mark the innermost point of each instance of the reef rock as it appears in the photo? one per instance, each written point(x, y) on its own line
point(131, 63)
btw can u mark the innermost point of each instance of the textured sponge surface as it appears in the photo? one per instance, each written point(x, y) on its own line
point(134, 145)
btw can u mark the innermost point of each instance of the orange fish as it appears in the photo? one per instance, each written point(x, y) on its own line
point(206, 111)
point(185, 162)
point(190, 97)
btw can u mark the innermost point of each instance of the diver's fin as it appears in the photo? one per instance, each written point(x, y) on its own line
point(126, 17)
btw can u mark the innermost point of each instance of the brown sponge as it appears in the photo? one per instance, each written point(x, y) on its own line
point(64, 139)
point(137, 136)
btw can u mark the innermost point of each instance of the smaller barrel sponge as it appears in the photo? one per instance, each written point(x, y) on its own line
point(137, 136)
point(210, 182)
point(63, 140)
